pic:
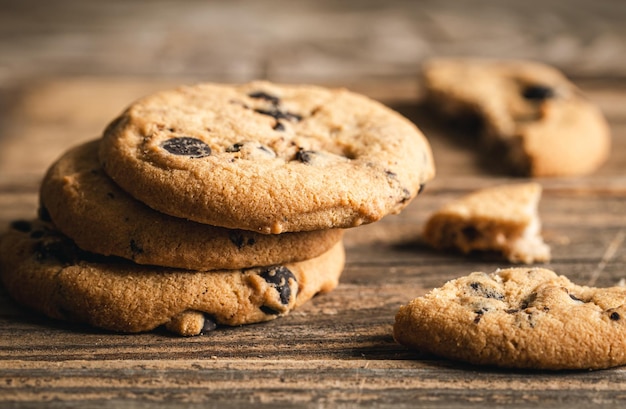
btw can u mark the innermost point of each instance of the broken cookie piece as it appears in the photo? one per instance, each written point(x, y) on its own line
point(503, 218)
point(530, 113)
point(518, 318)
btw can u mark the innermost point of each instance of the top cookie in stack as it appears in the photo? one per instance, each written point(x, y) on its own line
point(267, 158)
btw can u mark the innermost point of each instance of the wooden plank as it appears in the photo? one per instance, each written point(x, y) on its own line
point(302, 41)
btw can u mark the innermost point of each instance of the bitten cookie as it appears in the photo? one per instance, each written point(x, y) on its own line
point(100, 217)
point(267, 158)
point(502, 218)
point(518, 318)
point(530, 111)
point(44, 270)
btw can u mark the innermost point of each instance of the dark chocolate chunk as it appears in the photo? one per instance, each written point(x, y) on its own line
point(23, 226)
point(135, 248)
point(209, 324)
point(278, 126)
point(266, 150)
point(279, 277)
point(264, 95)
point(538, 92)
point(486, 292)
point(43, 214)
point(187, 146)
point(239, 240)
point(614, 316)
point(305, 156)
point(470, 232)
point(479, 314)
point(421, 188)
point(37, 234)
point(406, 195)
point(236, 147)
point(278, 114)
point(573, 297)
point(61, 250)
point(528, 301)
point(390, 174)
point(268, 310)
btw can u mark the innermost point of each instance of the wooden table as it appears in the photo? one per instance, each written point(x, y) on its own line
point(337, 350)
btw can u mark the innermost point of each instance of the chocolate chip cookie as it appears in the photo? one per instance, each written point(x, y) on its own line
point(518, 318)
point(100, 217)
point(267, 158)
point(42, 269)
point(502, 218)
point(530, 112)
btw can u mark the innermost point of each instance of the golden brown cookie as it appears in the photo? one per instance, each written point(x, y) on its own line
point(528, 110)
point(268, 158)
point(518, 318)
point(42, 269)
point(100, 217)
point(502, 218)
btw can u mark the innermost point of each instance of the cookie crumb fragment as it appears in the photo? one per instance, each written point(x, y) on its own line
point(502, 218)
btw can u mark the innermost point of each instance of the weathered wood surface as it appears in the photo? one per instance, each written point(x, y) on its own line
point(68, 66)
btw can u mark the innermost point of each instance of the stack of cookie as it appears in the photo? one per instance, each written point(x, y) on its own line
point(211, 205)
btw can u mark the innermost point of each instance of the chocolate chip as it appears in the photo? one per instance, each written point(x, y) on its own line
point(23, 226)
point(37, 234)
point(305, 156)
point(406, 196)
point(278, 114)
point(479, 314)
point(209, 324)
point(135, 248)
point(236, 147)
point(538, 92)
point(279, 277)
point(237, 239)
point(240, 240)
point(529, 300)
point(470, 232)
point(264, 95)
point(278, 126)
point(251, 150)
point(421, 188)
point(266, 150)
point(614, 316)
point(61, 250)
point(390, 174)
point(573, 297)
point(43, 214)
point(486, 292)
point(268, 310)
point(187, 146)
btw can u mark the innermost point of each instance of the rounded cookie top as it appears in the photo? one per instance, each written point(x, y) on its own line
point(100, 217)
point(42, 269)
point(529, 110)
point(518, 318)
point(266, 157)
